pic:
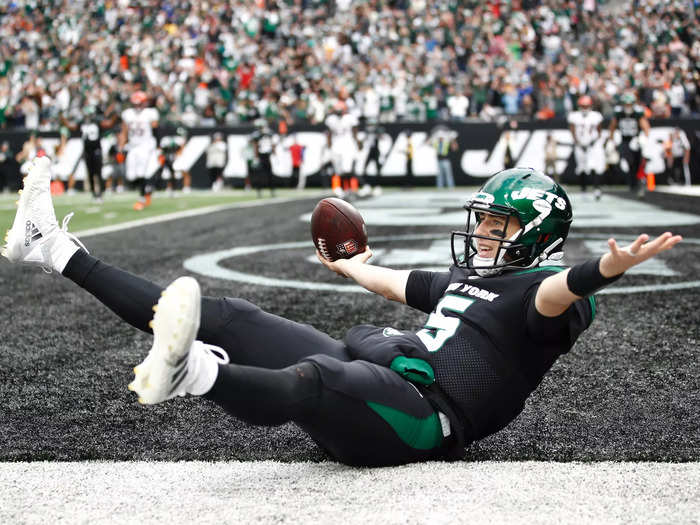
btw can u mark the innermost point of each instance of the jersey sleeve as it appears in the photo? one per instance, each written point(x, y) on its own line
point(567, 326)
point(153, 115)
point(424, 289)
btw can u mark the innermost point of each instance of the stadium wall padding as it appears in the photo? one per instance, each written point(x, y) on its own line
point(479, 154)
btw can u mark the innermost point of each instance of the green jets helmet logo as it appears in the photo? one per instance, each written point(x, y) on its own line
point(535, 194)
point(483, 197)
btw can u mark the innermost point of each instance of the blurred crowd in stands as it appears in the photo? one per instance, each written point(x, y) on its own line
point(213, 62)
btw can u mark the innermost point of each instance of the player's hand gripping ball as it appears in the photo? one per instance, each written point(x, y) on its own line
point(337, 229)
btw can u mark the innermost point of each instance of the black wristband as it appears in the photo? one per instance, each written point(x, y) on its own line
point(585, 279)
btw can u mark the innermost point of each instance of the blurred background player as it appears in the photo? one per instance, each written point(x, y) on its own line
point(139, 142)
point(172, 146)
point(373, 135)
point(344, 145)
point(678, 158)
point(9, 174)
point(585, 125)
point(410, 152)
point(251, 160)
point(443, 140)
point(64, 166)
point(264, 142)
point(612, 161)
point(510, 149)
point(550, 158)
point(114, 169)
point(31, 148)
point(327, 171)
point(630, 120)
point(91, 128)
point(217, 156)
point(296, 151)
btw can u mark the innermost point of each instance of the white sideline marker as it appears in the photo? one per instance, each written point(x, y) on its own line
point(273, 492)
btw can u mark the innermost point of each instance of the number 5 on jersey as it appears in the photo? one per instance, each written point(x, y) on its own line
point(439, 327)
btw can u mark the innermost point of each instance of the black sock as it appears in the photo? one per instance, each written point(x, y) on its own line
point(130, 297)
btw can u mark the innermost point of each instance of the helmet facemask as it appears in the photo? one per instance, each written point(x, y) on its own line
point(509, 251)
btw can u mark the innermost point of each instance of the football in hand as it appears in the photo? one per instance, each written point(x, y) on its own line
point(337, 229)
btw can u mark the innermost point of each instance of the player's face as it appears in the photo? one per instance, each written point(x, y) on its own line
point(493, 226)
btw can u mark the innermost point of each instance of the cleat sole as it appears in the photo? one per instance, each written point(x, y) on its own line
point(174, 326)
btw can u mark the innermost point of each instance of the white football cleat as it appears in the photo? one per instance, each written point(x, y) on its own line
point(365, 191)
point(35, 229)
point(163, 374)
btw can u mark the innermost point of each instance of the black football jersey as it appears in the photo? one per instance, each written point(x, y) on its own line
point(489, 346)
point(91, 132)
point(265, 142)
point(628, 121)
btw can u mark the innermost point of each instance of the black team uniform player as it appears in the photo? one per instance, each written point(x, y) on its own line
point(497, 321)
point(630, 120)
point(373, 135)
point(91, 128)
point(263, 146)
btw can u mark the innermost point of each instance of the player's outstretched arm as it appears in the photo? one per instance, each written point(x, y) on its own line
point(557, 292)
point(386, 282)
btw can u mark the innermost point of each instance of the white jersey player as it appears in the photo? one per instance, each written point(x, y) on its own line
point(344, 145)
point(343, 128)
point(171, 151)
point(585, 125)
point(138, 140)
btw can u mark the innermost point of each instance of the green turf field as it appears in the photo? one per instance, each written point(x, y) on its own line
point(118, 208)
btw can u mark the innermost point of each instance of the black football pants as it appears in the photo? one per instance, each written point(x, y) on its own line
point(93, 163)
point(633, 158)
point(360, 413)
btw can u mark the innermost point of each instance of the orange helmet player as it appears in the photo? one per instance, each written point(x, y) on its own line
point(138, 97)
point(585, 102)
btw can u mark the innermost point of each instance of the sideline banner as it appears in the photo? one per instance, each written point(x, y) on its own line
point(479, 153)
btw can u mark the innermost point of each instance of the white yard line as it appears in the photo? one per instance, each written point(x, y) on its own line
point(271, 492)
point(693, 191)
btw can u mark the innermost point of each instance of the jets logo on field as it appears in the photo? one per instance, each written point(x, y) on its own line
point(443, 212)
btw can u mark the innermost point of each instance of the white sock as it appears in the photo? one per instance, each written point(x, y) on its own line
point(203, 367)
point(62, 249)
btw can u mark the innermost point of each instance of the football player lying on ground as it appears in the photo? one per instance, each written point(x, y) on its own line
point(499, 318)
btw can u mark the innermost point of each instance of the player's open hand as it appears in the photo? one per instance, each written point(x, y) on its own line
point(340, 266)
point(619, 260)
